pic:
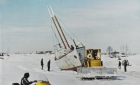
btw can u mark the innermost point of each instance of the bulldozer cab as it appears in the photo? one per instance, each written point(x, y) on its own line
point(93, 58)
point(94, 67)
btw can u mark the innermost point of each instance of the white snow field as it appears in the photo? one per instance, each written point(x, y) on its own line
point(13, 67)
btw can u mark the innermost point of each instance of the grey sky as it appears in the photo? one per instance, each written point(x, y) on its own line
point(26, 25)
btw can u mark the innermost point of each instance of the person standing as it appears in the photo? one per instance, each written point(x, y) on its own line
point(119, 65)
point(72, 48)
point(88, 59)
point(48, 64)
point(94, 54)
point(125, 65)
point(24, 80)
point(42, 64)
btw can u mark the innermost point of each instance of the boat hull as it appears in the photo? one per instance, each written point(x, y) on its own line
point(69, 61)
point(73, 68)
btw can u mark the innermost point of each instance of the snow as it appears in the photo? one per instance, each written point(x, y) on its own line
point(13, 67)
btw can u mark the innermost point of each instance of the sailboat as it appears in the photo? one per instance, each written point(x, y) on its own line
point(67, 57)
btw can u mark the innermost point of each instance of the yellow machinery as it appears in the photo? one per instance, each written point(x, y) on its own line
point(93, 67)
point(93, 58)
point(43, 80)
point(43, 83)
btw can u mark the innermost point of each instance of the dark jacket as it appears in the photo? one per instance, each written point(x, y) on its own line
point(42, 62)
point(24, 81)
point(119, 63)
point(125, 63)
point(49, 63)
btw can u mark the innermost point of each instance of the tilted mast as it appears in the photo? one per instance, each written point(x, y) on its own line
point(57, 28)
point(62, 31)
point(54, 16)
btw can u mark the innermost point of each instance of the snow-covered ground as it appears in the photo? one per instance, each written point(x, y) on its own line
point(13, 67)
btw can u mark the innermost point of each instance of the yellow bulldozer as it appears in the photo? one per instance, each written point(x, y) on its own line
point(93, 67)
point(93, 58)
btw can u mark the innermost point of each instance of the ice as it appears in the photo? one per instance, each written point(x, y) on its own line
point(13, 67)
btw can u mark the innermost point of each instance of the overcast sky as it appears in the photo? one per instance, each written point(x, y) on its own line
point(25, 25)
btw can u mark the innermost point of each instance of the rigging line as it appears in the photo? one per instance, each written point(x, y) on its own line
point(69, 30)
point(59, 43)
point(67, 34)
point(52, 35)
point(55, 35)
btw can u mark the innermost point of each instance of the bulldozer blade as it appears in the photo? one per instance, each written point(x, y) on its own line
point(89, 72)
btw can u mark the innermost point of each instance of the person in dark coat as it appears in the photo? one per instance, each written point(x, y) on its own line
point(24, 80)
point(125, 65)
point(94, 54)
point(72, 48)
point(119, 65)
point(42, 64)
point(48, 64)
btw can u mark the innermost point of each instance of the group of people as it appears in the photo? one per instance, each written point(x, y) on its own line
point(48, 64)
point(125, 63)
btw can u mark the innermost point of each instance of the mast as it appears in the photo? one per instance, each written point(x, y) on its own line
point(62, 31)
point(57, 29)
